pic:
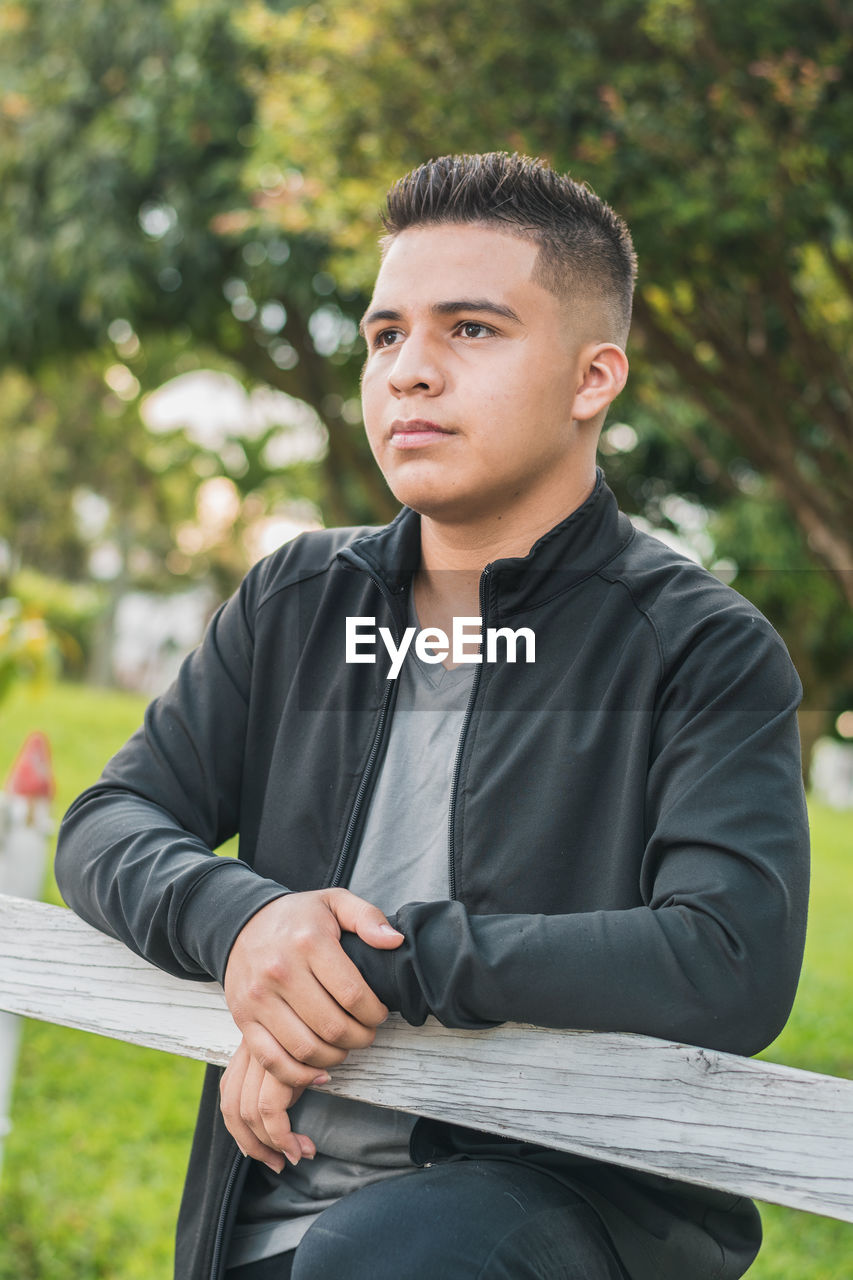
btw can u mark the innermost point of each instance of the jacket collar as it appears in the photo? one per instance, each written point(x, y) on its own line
point(563, 557)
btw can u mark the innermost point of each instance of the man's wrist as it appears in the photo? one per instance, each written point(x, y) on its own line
point(219, 907)
point(376, 966)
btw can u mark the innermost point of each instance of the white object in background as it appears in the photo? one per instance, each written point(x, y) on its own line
point(25, 826)
point(832, 773)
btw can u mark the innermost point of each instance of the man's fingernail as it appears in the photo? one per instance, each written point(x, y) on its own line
point(294, 1160)
point(276, 1168)
point(323, 1078)
point(389, 928)
point(240, 1149)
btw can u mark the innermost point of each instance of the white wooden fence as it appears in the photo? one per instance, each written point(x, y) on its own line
point(713, 1119)
point(25, 825)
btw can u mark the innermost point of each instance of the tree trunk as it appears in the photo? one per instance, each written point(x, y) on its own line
point(814, 723)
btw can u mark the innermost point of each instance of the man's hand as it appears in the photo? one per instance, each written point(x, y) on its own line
point(254, 1106)
point(298, 999)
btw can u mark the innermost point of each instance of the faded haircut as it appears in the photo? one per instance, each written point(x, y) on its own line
point(585, 248)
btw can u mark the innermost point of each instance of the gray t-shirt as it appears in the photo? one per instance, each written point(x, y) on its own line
point(402, 857)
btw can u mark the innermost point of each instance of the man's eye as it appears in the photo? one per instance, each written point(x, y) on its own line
point(386, 338)
point(473, 329)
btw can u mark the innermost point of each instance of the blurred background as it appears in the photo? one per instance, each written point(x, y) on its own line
point(189, 196)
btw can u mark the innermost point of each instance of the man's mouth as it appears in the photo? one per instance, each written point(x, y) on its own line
point(413, 433)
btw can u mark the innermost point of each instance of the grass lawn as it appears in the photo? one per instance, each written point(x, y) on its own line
point(94, 1163)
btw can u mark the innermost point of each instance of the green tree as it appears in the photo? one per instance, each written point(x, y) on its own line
point(730, 517)
point(185, 169)
point(28, 651)
point(124, 129)
point(723, 133)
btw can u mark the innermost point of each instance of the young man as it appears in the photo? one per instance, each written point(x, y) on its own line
point(609, 836)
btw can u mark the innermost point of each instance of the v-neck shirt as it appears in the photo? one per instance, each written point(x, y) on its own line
point(402, 857)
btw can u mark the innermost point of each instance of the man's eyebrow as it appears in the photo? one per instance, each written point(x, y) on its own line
point(449, 308)
point(373, 316)
point(475, 304)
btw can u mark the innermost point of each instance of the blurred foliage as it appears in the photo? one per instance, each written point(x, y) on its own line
point(723, 133)
point(729, 516)
point(123, 135)
point(195, 184)
point(78, 464)
point(27, 648)
point(70, 611)
point(115, 117)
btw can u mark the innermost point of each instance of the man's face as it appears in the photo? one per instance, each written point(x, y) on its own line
point(471, 374)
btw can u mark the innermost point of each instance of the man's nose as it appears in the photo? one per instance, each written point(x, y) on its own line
point(416, 367)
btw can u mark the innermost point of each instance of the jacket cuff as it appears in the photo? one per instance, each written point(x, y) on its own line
point(437, 969)
point(379, 970)
point(222, 902)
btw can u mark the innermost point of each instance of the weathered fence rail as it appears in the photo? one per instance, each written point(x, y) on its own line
point(25, 825)
point(709, 1118)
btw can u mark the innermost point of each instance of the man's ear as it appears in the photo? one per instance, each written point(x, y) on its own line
point(604, 372)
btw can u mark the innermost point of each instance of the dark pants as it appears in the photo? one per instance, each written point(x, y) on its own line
point(491, 1219)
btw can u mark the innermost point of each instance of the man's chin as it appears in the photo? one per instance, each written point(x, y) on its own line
point(460, 509)
point(429, 500)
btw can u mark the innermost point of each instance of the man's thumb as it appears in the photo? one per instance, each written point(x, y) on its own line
point(355, 915)
point(373, 928)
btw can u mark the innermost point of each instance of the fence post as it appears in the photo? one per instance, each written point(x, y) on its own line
point(25, 826)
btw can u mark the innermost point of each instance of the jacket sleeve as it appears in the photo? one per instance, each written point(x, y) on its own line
point(713, 953)
point(135, 853)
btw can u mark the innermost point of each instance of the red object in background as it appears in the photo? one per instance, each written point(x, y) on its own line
point(32, 772)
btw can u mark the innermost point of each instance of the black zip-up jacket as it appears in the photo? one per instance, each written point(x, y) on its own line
point(627, 848)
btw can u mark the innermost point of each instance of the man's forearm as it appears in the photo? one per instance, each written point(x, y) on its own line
point(135, 854)
point(128, 868)
point(672, 973)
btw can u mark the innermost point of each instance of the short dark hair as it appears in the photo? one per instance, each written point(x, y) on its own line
point(583, 243)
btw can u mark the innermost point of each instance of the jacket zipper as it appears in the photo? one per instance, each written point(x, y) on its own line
point(343, 857)
point(451, 814)
point(215, 1266)
point(337, 876)
point(469, 710)
point(367, 775)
